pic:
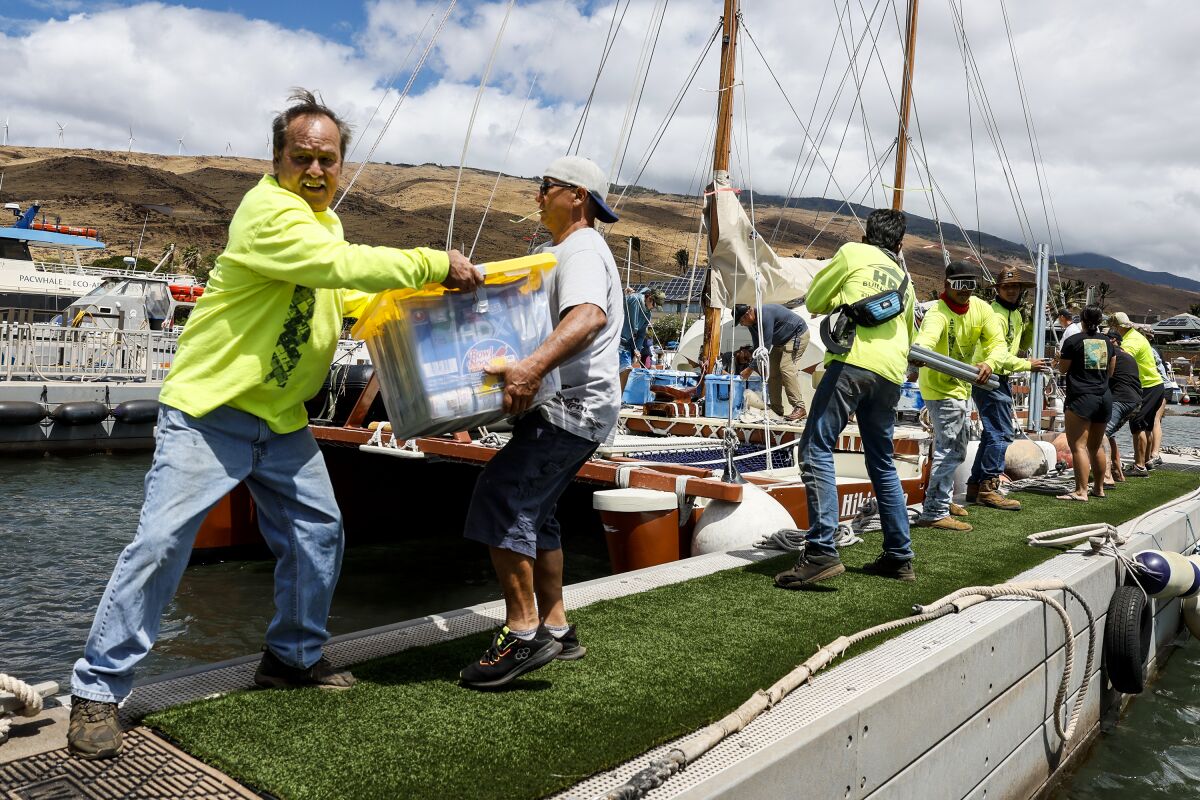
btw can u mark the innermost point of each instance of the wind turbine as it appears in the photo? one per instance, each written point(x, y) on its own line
point(61, 130)
point(6, 131)
point(228, 147)
point(180, 146)
point(131, 140)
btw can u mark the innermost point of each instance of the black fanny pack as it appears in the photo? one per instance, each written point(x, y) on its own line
point(838, 328)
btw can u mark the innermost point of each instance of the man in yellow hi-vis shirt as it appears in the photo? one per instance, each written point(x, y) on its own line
point(996, 408)
point(258, 345)
point(1153, 392)
point(955, 327)
point(864, 379)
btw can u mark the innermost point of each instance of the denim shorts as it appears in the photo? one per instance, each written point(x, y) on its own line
point(514, 500)
point(1120, 414)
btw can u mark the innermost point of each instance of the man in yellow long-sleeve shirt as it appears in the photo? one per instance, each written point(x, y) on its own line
point(258, 344)
point(863, 380)
point(996, 408)
point(955, 327)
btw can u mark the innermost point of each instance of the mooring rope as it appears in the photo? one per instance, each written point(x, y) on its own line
point(661, 769)
point(31, 701)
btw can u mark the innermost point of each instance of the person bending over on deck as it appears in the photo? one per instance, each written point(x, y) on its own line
point(996, 408)
point(787, 336)
point(1142, 425)
point(1088, 360)
point(512, 507)
point(258, 345)
point(1126, 389)
point(966, 329)
point(865, 380)
point(635, 338)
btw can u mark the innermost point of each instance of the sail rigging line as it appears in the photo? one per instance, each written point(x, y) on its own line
point(870, 176)
point(609, 40)
point(462, 160)
point(872, 153)
point(641, 76)
point(407, 88)
point(811, 116)
point(1034, 144)
point(798, 182)
point(992, 127)
point(971, 132)
point(672, 110)
point(391, 81)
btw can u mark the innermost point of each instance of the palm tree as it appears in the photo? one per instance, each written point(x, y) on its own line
point(1071, 293)
point(1102, 292)
point(681, 258)
point(1194, 309)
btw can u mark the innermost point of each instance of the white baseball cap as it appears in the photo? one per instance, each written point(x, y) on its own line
point(582, 172)
point(1120, 319)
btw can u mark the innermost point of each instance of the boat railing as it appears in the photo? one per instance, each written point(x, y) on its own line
point(32, 352)
point(105, 272)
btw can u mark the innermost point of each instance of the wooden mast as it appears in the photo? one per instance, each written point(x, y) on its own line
point(711, 346)
point(910, 53)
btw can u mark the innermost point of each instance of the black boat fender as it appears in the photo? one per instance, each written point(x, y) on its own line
point(21, 412)
point(80, 412)
point(136, 412)
point(1128, 632)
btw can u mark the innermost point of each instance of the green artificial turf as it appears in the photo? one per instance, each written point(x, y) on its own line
point(660, 664)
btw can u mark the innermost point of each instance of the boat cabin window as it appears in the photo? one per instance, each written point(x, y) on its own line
point(12, 249)
point(107, 286)
point(180, 317)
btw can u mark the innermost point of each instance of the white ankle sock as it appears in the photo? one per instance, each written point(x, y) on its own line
point(523, 635)
point(558, 632)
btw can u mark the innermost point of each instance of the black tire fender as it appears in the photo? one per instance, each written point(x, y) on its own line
point(1128, 633)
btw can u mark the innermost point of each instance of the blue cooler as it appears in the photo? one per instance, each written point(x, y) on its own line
point(637, 387)
point(755, 384)
point(717, 392)
point(680, 379)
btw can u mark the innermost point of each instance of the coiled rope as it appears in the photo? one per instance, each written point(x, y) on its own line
point(31, 701)
point(661, 769)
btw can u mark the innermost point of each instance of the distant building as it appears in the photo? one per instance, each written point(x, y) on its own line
point(1180, 326)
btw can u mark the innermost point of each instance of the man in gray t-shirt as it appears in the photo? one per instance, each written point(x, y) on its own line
point(512, 507)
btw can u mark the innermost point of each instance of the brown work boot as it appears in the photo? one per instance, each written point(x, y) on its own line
point(946, 523)
point(798, 413)
point(274, 674)
point(958, 511)
point(972, 492)
point(94, 731)
point(989, 495)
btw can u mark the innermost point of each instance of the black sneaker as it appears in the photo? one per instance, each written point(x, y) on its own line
point(509, 657)
point(887, 567)
point(94, 731)
point(1154, 462)
point(809, 570)
point(572, 650)
point(274, 674)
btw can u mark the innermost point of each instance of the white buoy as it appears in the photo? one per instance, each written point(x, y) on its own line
point(1168, 575)
point(963, 473)
point(1190, 607)
point(726, 526)
point(1025, 459)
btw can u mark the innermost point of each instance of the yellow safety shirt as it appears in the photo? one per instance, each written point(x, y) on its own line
point(858, 271)
point(958, 336)
point(1012, 327)
point(1139, 347)
point(262, 336)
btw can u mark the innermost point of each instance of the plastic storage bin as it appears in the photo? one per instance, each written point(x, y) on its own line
point(910, 397)
point(430, 346)
point(718, 389)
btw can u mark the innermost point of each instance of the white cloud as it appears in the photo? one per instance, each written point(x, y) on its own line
point(1115, 122)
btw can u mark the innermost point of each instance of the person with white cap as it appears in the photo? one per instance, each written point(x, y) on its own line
point(1153, 393)
point(512, 507)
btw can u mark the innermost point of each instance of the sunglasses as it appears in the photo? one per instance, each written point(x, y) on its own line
point(962, 284)
point(548, 184)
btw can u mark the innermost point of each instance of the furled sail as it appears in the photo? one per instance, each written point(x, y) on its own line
point(741, 257)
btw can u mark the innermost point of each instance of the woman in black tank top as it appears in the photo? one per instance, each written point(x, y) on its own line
point(1087, 360)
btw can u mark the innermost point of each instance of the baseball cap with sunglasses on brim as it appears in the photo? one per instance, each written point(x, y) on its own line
point(963, 276)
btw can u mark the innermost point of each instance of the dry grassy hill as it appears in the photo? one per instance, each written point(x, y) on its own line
point(410, 205)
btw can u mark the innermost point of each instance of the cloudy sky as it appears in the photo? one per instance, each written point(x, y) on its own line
point(1106, 85)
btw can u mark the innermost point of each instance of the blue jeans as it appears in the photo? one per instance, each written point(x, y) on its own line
point(625, 358)
point(847, 389)
point(995, 412)
point(949, 419)
point(517, 493)
point(197, 461)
